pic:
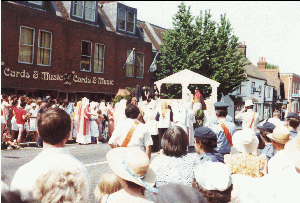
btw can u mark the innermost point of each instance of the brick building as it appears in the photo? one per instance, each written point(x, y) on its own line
point(72, 49)
point(292, 91)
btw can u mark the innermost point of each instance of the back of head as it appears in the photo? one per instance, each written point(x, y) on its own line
point(132, 111)
point(13, 197)
point(108, 184)
point(54, 126)
point(59, 185)
point(179, 193)
point(174, 141)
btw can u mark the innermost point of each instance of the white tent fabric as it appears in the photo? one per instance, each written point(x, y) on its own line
point(186, 77)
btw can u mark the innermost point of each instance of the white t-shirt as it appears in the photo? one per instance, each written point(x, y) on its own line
point(50, 158)
point(140, 138)
point(279, 162)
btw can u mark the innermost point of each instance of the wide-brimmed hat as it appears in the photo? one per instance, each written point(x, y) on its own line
point(213, 176)
point(132, 164)
point(249, 103)
point(281, 134)
point(292, 149)
point(245, 140)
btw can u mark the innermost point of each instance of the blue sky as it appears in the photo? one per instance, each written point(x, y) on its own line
point(269, 29)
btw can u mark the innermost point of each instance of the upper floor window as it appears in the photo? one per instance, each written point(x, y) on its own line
point(86, 54)
point(44, 48)
point(252, 87)
point(126, 20)
point(36, 2)
point(260, 90)
point(140, 65)
point(26, 45)
point(85, 10)
point(130, 64)
point(268, 92)
point(99, 58)
point(238, 91)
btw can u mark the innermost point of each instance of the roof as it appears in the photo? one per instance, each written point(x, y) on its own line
point(272, 77)
point(252, 71)
point(187, 76)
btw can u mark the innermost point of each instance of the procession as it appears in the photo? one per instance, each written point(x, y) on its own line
point(143, 102)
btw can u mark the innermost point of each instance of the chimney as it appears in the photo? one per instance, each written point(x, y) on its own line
point(242, 47)
point(261, 64)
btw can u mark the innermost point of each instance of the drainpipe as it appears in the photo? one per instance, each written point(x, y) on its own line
point(288, 97)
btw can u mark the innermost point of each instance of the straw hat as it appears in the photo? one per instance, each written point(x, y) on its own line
point(245, 140)
point(281, 134)
point(123, 158)
point(249, 103)
point(292, 149)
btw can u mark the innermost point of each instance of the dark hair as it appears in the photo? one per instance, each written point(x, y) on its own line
point(221, 113)
point(4, 96)
point(14, 103)
point(23, 104)
point(22, 99)
point(133, 185)
point(208, 145)
point(54, 126)
point(14, 197)
point(250, 107)
point(174, 142)
point(263, 135)
point(132, 111)
point(214, 196)
point(293, 122)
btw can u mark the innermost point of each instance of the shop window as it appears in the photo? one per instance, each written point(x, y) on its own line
point(86, 53)
point(129, 64)
point(44, 48)
point(140, 65)
point(99, 58)
point(26, 45)
point(84, 10)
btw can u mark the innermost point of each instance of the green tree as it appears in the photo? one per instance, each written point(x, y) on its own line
point(205, 47)
point(271, 66)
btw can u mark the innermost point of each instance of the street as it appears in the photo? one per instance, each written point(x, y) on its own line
point(93, 156)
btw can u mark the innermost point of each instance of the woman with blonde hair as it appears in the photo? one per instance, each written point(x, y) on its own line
point(108, 184)
point(164, 118)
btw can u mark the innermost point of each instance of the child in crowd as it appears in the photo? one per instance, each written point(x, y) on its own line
point(8, 139)
point(108, 184)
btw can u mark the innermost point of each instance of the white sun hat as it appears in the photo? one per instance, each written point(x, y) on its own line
point(249, 103)
point(132, 164)
point(245, 140)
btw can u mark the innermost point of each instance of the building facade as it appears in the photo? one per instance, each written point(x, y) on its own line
point(71, 49)
point(292, 91)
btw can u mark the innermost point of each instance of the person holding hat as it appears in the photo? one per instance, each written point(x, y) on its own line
point(205, 142)
point(248, 116)
point(268, 150)
point(246, 142)
point(223, 129)
point(131, 165)
point(214, 181)
point(292, 123)
point(279, 137)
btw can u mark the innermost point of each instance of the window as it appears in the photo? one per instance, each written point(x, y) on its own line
point(85, 10)
point(44, 48)
point(260, 90)
point(99, 58)
point(86, 53)
point(130, 66)
point(140, 65)
point(36, 2)
point(252, 87)
point(238, 91)
point(126, 20)
point(268, 92)
point(26, 45)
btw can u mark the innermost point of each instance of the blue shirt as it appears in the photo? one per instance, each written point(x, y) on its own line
point(223, 145)
point(210, 156)
point(293, 133)
point(269, 151)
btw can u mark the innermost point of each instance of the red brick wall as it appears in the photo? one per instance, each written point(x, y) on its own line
point(66, 53)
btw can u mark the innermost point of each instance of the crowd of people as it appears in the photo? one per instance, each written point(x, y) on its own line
point(227, 165)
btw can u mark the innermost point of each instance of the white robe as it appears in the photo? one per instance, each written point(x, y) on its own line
point(83, 134)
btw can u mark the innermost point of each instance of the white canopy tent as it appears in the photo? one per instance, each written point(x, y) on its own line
point(186, 77)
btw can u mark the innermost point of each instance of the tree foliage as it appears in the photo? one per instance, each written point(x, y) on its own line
point(271, 66)
point(205, 47)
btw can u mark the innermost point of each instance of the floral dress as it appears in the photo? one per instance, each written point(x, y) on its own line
point(246, 164)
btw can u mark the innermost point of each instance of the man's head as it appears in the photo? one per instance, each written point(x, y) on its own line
point(132, 111)
point(205, 140)
point(23, 104)
point(54, 126)
point(276, 114)
point(279, 137)
point(4, 97)
point(293, 120)
point(221, 109)
point(249, 104)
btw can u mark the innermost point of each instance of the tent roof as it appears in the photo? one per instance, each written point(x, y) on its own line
point(187, 76)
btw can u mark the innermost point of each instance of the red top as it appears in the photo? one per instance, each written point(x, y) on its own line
point(19, 113)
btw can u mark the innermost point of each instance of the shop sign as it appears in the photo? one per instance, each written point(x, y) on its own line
point(66, 78)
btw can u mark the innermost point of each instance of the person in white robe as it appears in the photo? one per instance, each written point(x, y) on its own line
point(94, 131)
point(190, 123)
point(83, 134)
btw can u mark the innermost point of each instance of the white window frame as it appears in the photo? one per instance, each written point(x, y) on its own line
point(73, 6)
point(45, 48)
point(84, 11)
point(252, 87)
point(142, 65)
point(98, 58)
point(132, 63)
point(87, 56)
point(40, 3)
point(239, 91)
point(260, 87)
point(126, 20)
point(27, 45)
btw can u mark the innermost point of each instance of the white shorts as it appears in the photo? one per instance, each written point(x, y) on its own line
point(20, 126)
